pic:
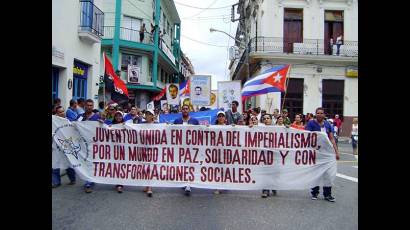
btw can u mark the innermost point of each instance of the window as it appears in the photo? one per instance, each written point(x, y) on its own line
point(332, 97)
point(54, 83)
point(130, 59)
point(80, 73)
point(131, 27)
point(294, 97)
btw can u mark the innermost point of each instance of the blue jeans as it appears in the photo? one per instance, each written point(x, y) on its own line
point(56, 178)
point(327, 191)
point(338, 49)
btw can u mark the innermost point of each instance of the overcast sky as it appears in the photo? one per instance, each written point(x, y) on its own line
point(195, 24)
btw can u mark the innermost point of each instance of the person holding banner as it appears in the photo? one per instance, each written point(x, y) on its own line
point(186, 120)
point(118, 119)
point(149, 119)
point(267, 119)
point(280, 121)
point(132, 116)
point(221, 120)
point(297, 124)
point(320, 125)
point(89, 115)
point(58, 160)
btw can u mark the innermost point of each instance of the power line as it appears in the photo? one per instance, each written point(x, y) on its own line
point(208, 8)
point(201, 10)
point(204, 43)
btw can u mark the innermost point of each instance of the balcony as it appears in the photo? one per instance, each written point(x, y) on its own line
point(132, 35)
point(91, 27)
point(308, 47)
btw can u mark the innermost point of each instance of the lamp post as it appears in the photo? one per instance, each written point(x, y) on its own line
point(242, 45)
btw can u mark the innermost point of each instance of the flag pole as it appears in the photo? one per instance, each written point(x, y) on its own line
point(286, 89)
point(104, 79)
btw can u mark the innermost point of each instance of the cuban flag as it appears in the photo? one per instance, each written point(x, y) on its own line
point(184, 88)
point(271, 80)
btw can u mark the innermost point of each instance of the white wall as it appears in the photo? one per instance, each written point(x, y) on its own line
point(313, 17)
point(65, 22)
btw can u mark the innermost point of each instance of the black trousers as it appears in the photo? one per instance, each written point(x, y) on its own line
point(327, 191)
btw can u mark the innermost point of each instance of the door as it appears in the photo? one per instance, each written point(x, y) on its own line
point(293, 100)
point(292, 29)
point(332, 97)
point(54, 84)
point(333, 28)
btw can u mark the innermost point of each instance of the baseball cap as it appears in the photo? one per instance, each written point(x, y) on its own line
point(284, 110)
point(150, 111)
point(220, 112)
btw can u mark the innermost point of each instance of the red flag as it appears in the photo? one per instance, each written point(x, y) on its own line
point(160, 94)
point(119, 85)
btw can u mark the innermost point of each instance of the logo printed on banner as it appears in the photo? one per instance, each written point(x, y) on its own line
point(68, 141)
point(69, 147)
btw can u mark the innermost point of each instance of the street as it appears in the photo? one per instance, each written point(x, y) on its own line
point(104, 208)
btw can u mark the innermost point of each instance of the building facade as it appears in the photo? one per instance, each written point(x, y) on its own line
point(153, 55)
point(186, 67)
point(77, 28)
point(302, 33)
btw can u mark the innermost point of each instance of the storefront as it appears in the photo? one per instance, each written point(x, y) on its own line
point(80, 73)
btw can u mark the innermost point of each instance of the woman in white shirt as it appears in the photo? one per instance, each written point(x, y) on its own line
point(355, 135)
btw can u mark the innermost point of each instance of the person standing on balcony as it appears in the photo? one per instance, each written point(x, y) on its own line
point(142, 32)
point(331, 46)
point(339, 42)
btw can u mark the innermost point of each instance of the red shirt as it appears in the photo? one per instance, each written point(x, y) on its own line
point(337, 122)
point(294, 125)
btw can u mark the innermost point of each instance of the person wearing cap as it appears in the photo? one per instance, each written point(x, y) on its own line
point(220, 120)
point(71, 113)
point(186, 120)
point(149, 119)
point(286, 119)
point(111, 110)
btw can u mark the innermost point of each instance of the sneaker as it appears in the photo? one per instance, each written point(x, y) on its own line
point(265, 193)
point(274, 192)
point(119, 189)
point(88, 189)
point(330, 198)
point(55, 185)
point(217, 192)
point(314, 196)
point(149, 193)
point(187, 191)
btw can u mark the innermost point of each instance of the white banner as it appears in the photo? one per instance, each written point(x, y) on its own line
point(214, 157)
point(229, 91)
point(200, 90)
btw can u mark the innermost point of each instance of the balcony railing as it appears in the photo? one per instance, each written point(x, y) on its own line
point(91, 18)
point(305, 47)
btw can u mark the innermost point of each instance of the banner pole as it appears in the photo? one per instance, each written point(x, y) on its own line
point(286, 89)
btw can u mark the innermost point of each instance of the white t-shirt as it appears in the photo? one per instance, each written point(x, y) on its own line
point(355, 129)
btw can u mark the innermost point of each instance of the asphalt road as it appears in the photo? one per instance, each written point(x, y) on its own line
point(170, 209)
